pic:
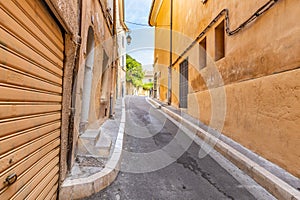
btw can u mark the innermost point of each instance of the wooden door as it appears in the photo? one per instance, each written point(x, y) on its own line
point(183, 84)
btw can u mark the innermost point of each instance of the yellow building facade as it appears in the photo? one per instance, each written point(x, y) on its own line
point(235, 67)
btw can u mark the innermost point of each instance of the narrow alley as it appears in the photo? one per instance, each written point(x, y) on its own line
point(149, 99)
point(186, 178)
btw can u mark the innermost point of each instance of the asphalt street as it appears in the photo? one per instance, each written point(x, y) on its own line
point(161, 162)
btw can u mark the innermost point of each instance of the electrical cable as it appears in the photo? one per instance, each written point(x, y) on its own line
point(138, 24)
point(229, 32)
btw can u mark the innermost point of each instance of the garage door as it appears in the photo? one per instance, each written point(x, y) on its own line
point(31, 70)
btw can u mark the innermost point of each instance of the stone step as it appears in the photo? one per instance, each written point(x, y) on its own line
point(95, 143)
point(91, 134)
point(104, 142)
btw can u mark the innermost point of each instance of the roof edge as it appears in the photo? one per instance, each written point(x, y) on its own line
point(122, 15)
point(155, 8)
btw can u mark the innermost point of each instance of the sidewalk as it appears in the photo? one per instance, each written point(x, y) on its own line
point(275, 179)
point(91, 173)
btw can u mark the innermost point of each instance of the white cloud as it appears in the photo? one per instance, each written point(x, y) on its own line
point(137, 10)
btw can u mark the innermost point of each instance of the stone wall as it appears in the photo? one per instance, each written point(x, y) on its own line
point(68, 13)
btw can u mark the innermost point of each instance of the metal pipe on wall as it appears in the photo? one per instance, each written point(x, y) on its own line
point(171, 54)
point(113, 67)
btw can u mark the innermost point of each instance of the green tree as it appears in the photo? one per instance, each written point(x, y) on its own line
point(134, 71)
point(147, 86)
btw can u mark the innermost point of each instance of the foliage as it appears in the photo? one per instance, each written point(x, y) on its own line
point(147, 86)
point(134, 71)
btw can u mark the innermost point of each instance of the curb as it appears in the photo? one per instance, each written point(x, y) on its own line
point(87, 186)
point(276, 186)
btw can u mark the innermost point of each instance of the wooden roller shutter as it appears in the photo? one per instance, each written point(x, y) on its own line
point(31, 70)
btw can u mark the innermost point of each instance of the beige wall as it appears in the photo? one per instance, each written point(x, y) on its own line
point(93, 17)
point(260, 72)
point(130, 89)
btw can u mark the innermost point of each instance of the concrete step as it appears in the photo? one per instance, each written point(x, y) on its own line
point(94, 143)
point(89, 175)
point(104, 143)
point(91, 134)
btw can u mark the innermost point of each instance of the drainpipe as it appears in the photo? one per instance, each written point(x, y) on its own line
point(171, 60)
point(113, 60)
point(73, 91)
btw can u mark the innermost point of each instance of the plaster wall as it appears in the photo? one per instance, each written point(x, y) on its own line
point(68, 13)
point(121, 45)
point(262, 114)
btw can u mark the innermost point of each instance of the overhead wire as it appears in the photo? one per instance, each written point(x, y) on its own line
point(138, 24)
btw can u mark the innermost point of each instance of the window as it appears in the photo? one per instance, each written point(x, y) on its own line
point(123, 41)
point(202, 53)
point(220, 41)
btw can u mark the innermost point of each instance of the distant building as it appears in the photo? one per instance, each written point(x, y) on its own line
point(227, 70)
point(121, 37)
point(148, 78)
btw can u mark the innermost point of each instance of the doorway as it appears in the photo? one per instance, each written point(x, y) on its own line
point(183, 85)
point(88, 78)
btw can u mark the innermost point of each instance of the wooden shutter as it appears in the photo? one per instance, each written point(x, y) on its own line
point(31, 70)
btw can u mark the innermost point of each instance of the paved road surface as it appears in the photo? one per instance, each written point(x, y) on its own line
point(188, 177)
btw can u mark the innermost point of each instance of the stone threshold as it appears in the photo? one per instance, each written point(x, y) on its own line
point(276, 180)
point(96, 174)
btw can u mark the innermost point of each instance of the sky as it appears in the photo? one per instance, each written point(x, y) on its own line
point(142, 44)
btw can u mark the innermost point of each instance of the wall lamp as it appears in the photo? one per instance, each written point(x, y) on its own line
point(128, 38)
